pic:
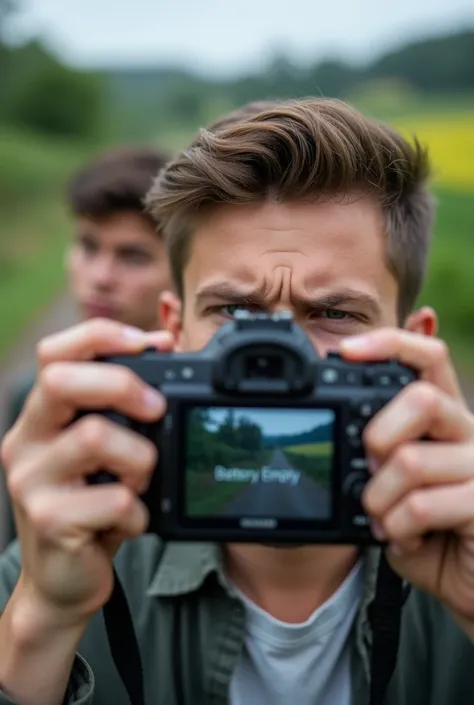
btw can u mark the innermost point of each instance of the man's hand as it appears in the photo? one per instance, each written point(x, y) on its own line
point(69, 531)
point(421, 496)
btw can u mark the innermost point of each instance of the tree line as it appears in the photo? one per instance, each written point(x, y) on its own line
point(442, 66)
point(38, 91)
point(232, 442)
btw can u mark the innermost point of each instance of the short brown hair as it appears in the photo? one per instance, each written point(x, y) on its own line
point(114, 182)
point(302, 150)
point(241, 114)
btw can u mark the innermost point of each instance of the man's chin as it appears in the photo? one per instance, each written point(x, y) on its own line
point(285, 545)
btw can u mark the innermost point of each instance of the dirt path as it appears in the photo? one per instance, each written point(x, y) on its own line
point(20, 359)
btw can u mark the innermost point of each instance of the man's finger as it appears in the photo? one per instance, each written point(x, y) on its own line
point(430, 356)
point(63, 389)
point(93, 443)
point(96, 338)
point(420, 410)
point(442, 508)
point(68, 516)
point(414, 466)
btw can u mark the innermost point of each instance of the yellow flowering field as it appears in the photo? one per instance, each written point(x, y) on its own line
point(450, 139)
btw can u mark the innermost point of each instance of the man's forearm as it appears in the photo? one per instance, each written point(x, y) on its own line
point(36, 652)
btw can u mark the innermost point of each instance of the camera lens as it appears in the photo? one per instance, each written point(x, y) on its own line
point(264, 367)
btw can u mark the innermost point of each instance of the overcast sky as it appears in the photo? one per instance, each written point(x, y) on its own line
point(278, 421)
point(227, 36)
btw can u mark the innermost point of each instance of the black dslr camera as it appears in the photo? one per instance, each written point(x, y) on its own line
point(261, 441)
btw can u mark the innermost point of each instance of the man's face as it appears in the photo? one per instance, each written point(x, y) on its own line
point(325, 262)
point(118, 268)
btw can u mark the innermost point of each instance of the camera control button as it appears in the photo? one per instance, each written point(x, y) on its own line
point(329, 375)
point(353, 378)
point(405, 378)
point(357, 490)
point(379, 378)
point(384, 380)
point(353, 430)
point(358, 464)
point(365, 409)
point(166, 505)
point(354, 435)
point(354, 486)
point(333, 354)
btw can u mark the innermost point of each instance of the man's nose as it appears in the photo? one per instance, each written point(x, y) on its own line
point(102, 270)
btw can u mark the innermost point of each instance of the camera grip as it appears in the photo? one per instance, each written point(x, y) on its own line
point(103, 477)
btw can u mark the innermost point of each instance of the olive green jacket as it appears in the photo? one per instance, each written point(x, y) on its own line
point(435, 663)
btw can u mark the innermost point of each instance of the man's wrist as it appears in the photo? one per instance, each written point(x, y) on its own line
point(32, 618)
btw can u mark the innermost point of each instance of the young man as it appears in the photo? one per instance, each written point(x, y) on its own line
point(117, 265)
point(308, 207)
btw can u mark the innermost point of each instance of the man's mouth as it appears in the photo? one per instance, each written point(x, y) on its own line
point(98, 309)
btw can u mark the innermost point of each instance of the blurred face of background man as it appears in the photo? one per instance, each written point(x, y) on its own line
point(117, 264)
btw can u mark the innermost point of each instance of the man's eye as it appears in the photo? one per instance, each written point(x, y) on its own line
point(335, 314)
point(135, 257)
point(89, 247)
point(230, 309)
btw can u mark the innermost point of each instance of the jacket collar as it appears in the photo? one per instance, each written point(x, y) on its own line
point(185, 566)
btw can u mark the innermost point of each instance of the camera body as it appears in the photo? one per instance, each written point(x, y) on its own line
point(262, 438)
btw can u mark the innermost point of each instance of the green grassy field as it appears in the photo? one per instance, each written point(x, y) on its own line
point(310, 449)
point(204, 497)
point(34, 227)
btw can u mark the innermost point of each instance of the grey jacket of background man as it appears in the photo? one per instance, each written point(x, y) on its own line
point(14, 406)
point(435, 663)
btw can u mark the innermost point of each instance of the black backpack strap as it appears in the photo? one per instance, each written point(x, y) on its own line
point(123, 643)
point(385, 618)
point(124, 646)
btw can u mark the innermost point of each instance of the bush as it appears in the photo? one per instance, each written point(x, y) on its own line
point(32, 168)
point(450, 285)
point(39, 93)
point(34, 227)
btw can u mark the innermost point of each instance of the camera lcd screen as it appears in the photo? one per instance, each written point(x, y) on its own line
point(259, 462)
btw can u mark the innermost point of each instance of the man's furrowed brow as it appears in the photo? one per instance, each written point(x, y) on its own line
point(228, 293)
point(346, 297)
point(225, 292)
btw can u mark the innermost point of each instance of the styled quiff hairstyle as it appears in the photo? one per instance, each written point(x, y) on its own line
point(243, 113)
point(306, 150)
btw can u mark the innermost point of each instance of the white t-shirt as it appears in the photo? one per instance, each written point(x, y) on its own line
point(298, 664)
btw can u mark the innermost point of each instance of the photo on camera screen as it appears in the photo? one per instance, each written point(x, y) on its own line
point(257, 462)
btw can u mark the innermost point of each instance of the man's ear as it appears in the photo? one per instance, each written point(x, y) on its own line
point(424, 321)
point(170, 317)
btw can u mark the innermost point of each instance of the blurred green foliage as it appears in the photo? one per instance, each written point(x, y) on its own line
point(450, 284)
point(34, 226)
point(39, 93)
